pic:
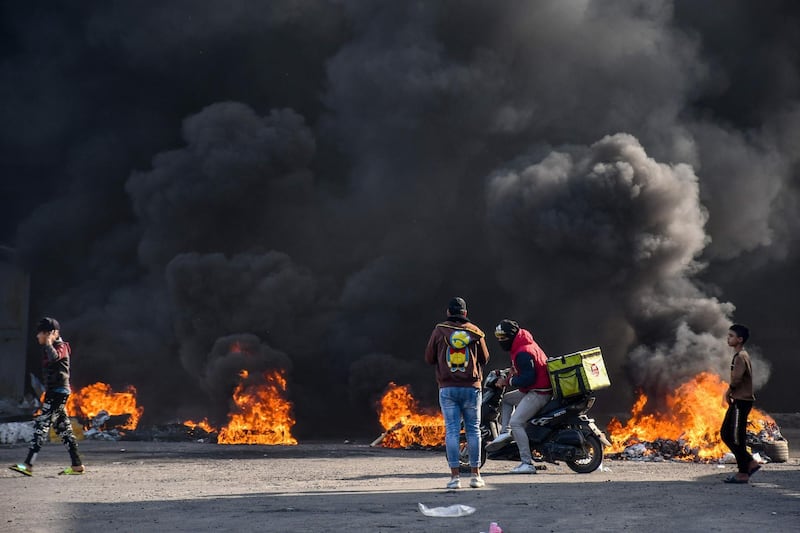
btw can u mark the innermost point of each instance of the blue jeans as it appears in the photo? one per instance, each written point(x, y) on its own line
point(458, 402)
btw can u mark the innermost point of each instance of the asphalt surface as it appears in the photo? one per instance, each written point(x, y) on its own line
point(348, 486)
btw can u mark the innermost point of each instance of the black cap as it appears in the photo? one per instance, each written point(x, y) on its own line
point(506, 328)
point(457, 306)
point(48, 324)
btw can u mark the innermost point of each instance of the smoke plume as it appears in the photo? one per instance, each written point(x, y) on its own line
point(627, 231)
point(199, 190)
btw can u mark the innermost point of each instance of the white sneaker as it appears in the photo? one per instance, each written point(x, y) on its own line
point(454, 483)
point(501, 439)
point(524, 468)
point(476, 482)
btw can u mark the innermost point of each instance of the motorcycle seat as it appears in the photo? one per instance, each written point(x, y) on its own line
point(559, 403)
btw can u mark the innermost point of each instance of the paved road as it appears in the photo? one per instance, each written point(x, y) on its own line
point(188, 486)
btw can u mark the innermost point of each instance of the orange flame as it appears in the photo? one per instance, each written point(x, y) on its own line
point(405, 423)
point(203, 424)
point(262, 415)
point(694, 415)
point(92, 399)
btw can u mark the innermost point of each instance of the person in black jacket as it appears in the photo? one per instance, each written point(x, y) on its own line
point(55, 374)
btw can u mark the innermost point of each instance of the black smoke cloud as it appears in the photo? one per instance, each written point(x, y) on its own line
point(199, 190)
point(234, 185)
point(628, 230)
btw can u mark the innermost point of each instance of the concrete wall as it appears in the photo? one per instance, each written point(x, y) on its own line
point(14, 292)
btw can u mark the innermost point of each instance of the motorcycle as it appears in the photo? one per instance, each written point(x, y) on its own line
point(560, 431)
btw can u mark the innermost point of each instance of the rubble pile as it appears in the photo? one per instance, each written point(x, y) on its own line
point(769, 432)
point(659, 450)
point(15, 419)
point(13, 432)
point(679, 450)
point(172, 432)
point(105, 426)
point(96, 428)
point(769, 442)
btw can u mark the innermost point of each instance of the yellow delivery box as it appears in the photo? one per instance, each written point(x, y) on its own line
point(578, 373)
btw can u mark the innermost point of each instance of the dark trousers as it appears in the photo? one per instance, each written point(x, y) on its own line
point(54, 413)
point(734, 432)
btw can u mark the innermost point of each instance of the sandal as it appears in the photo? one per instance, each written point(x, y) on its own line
point(22, 469)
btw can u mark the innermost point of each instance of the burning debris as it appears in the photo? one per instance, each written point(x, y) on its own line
point(385, 434)
point(102, 413)
point(688, 430)
point(174, 432)
point(405, 423)
point(262, 415)
point(100, 406)
point(768, 441)
point(203, 426)
point(98, 429)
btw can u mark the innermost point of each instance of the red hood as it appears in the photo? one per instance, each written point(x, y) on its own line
point(523, 338)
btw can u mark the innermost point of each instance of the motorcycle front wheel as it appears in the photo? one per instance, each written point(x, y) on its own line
point(463, 454)
point(594, 456)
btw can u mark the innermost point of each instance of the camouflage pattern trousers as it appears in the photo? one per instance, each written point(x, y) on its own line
point(54, 413)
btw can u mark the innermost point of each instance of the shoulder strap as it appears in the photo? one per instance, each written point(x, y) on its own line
point(466, 327)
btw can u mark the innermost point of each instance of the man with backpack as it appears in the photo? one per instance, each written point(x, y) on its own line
point(458, 350)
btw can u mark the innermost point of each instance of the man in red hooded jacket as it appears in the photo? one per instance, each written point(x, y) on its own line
point(529, 375)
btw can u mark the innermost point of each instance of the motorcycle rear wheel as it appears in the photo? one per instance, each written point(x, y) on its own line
point(463, 454)
point(594, 451)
